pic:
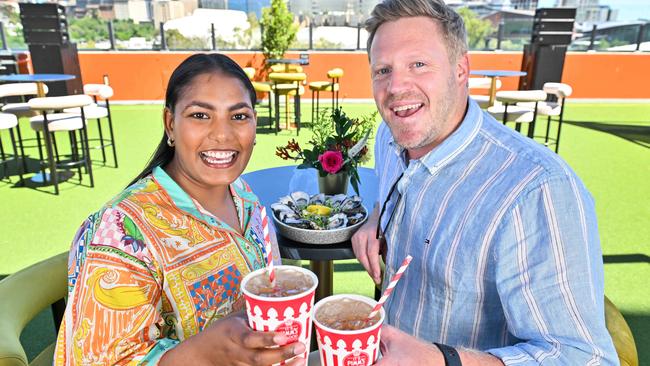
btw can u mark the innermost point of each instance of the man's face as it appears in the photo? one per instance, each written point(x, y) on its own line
point(417, 89)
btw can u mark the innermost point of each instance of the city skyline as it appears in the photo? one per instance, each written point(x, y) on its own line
point(628, 10)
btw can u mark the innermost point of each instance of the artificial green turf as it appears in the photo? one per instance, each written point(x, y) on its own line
point(608, 145)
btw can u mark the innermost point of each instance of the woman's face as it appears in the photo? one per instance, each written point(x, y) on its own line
point(213, 128)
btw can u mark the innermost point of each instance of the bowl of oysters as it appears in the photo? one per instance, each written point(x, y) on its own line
point(319, 218)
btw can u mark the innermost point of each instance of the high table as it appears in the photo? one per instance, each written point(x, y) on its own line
point(494, 75)
point(40, 80)
point(273, 183)
point(285, 83)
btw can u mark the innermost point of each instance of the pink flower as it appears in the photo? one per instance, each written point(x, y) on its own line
point(332, 161)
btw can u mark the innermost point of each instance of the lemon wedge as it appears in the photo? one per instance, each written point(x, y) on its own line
point(319, 210)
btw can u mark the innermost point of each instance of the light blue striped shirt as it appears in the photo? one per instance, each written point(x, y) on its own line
point(506, 254)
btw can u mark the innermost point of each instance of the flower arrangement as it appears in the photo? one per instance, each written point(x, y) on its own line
point(338, 145)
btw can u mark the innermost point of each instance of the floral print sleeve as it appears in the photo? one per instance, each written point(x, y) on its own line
point(114, 306)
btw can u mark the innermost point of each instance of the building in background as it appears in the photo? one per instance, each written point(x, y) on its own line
point(136, 10)
point(166, 10)
point(589, 11)
point(198, 25)
point(247, 6)
point(332, 12)
point(523, 4)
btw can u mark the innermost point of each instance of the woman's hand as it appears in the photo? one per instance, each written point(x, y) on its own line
point(231, 342)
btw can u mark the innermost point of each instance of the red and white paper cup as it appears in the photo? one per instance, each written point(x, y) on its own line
point(290, 315)
point(348, 347)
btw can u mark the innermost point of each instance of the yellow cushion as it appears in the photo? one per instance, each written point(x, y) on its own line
point(621, 335)
point(323, 86)
point(286, 68)
point(287, 76)
point(261, 87)
point(335, 73)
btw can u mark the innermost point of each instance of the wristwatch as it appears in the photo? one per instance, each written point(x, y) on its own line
point(451, 356)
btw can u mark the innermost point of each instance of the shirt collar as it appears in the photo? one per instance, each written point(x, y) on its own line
point(452, 145)
point(186, 203)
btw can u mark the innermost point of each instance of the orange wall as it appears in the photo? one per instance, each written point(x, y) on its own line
point(143, 75)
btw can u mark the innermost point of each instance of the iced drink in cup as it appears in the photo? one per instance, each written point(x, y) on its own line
point(345, 337)
point(285, 308)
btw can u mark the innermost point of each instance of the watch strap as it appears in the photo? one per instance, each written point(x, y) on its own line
point(451, 356)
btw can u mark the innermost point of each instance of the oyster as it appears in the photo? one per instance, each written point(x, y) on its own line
point(337, 221)
point(317, 199)
point(355, 218)
point(320, 211)
point(301, 199)
point(301, 223)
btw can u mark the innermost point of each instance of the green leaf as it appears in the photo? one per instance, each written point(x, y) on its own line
point(130, 229)
point(310, 156)
point(354, 180)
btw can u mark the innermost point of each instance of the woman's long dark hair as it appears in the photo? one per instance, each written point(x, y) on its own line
point(193, 66)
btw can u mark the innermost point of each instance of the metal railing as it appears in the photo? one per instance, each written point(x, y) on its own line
point(353, 38)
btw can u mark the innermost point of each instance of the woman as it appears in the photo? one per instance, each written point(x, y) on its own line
point(154, 275)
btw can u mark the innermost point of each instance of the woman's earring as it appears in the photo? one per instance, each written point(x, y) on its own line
point(254, 142)
point(170, 141)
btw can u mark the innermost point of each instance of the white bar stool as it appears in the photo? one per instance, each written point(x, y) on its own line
point(552, 109)
point(96, 112)
point(9, 122)
point(515, 113)
point(48, 123)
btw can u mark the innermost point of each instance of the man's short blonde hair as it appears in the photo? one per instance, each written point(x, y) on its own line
point(451, 24)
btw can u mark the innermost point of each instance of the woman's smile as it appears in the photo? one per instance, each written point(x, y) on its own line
point(219, 159)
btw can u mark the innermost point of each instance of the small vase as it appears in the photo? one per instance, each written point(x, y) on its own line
point(332, 184)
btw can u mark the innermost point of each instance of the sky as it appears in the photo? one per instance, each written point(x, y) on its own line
point(627, 9)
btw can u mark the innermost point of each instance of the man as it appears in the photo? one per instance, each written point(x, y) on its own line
point(507, 265)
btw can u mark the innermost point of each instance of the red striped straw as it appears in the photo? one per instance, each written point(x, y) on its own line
point(267, 247)
point(391, 286)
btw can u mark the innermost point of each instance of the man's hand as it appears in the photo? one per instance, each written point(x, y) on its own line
point(401, 349)
point(230, 341)
point(366, 246)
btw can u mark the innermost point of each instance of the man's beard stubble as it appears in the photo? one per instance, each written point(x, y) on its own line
point(439, 115)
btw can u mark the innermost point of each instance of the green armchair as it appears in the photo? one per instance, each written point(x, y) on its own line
point(621, 335)
point(24, 295)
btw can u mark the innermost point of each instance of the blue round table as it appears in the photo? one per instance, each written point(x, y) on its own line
point(34, 78)
point(273, 183)
point(39, 79)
